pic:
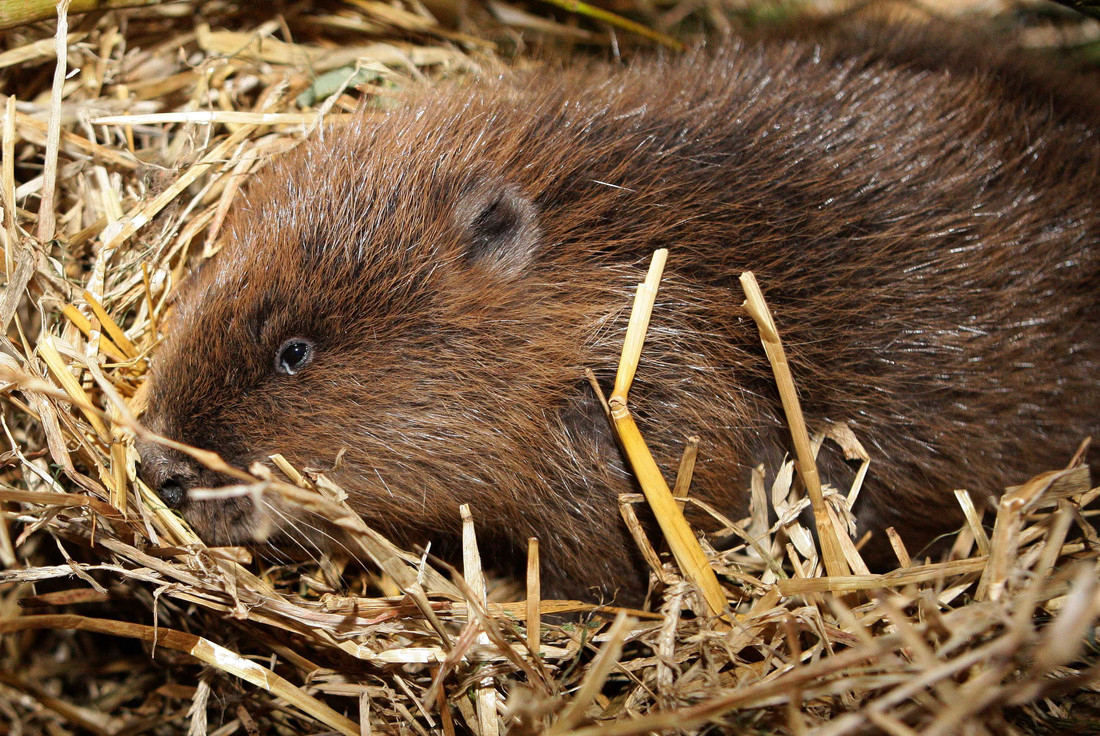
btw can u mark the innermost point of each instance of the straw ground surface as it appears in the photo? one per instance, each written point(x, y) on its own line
point(126, 134)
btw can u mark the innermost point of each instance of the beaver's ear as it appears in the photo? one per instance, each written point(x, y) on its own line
point(500, 226)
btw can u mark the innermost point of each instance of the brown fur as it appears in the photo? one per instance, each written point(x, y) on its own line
point(925, 228)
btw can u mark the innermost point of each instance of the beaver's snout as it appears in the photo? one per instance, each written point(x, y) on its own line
point(228, 519)
point(169, 472)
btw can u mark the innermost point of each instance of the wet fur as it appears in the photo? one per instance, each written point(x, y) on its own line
point(924, 226)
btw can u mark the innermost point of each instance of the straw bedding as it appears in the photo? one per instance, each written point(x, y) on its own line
point(119, 164)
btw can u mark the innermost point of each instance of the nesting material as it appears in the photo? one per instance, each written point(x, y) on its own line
point(125, 141)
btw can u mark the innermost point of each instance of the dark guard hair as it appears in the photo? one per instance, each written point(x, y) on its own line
point(923, 220)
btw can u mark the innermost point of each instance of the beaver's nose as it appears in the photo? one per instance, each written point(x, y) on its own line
point(173, 491)
point(168, 472)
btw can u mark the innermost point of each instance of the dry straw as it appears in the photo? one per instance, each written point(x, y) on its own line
point(125, 138)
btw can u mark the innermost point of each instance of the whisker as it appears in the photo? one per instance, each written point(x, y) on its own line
point(290, 529)
point(293, 522)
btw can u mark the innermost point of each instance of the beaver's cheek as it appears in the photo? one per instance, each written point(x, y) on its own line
point(226, 521)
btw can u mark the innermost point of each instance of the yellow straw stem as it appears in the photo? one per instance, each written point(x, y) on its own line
point(681, 541)
point(831, 550)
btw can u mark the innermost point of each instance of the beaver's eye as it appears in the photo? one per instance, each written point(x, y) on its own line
point(293, 355)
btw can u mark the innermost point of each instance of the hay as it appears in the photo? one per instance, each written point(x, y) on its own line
point(119, 165)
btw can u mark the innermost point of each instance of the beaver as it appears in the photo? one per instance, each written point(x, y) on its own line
point(410, 300)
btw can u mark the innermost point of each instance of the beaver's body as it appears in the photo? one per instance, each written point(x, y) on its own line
point(929, 241)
